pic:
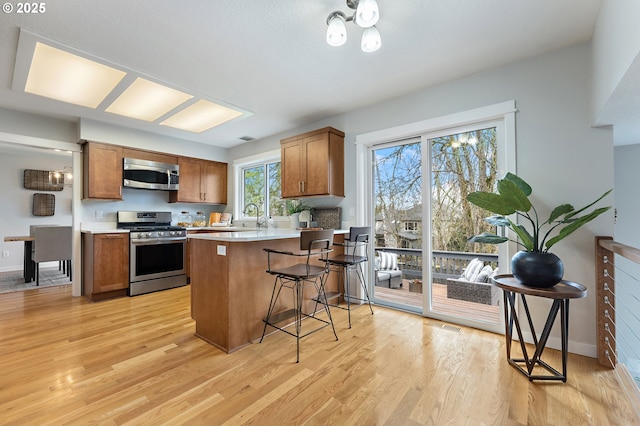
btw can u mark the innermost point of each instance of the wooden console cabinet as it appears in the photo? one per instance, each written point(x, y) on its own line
point(201, 181)
point(105, 265)
point(313, 164)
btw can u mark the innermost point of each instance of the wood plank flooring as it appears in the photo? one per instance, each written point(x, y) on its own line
point(136, 361)
point(441, 303)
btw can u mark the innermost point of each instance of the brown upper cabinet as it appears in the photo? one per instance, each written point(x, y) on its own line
point(201, 181)
point(158, 157)
point(313, 164)
point(102, 171)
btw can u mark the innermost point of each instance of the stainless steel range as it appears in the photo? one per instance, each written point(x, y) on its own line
point(158, 251)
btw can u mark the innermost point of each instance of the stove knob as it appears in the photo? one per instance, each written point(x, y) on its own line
point(144, 234)
point(172, 233)
point(160, 234)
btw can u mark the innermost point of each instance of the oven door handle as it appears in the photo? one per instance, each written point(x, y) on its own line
point(151, 241)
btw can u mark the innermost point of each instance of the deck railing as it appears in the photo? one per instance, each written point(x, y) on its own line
point(618, 311)
point(444, 264)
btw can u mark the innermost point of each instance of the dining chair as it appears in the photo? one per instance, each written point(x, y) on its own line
point(52, 243)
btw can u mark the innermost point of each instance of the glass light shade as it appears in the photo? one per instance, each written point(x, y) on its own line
point(371, 40)
point(147, 100)
point(367, 13)
point(66, 77)
point(337, 30)
point(201, 116)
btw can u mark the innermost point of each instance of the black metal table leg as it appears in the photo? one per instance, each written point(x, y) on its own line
point(560, 293)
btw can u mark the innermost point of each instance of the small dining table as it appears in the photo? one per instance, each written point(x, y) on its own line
point(29, 266)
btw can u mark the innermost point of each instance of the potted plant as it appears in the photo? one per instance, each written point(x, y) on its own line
point(294, 208)
point(534, 265)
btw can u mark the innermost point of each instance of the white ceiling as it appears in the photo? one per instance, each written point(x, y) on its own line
point(270, 56)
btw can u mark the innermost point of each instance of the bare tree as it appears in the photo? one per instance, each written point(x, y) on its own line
point(460, 164)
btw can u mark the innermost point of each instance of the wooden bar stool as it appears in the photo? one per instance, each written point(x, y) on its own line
point(314, 247)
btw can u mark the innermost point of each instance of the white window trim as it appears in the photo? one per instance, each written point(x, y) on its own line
point(238, 165)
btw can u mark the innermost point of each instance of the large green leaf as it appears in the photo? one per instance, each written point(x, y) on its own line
point(513, 196)
point(497, 221)
point(577, 212)
point(524, 186)
point(560, 211)
point(494, 203)
point(525, 238)
point(575, 224)
point(487, 238)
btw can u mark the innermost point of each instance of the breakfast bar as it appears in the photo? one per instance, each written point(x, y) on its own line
point(230, 289)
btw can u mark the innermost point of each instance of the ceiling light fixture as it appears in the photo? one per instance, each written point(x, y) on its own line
point(66, 77)
point(201, 116)
point(147, 100)
point(366, 15)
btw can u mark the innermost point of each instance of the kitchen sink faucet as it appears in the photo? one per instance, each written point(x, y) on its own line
point(261, 221)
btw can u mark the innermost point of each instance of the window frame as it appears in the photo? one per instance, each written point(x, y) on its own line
point(240, 165)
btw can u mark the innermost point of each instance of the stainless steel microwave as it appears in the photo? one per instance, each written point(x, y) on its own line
point(150, 174)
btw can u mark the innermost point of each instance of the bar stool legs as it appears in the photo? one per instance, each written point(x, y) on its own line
point(345, 280)
point(297, 312)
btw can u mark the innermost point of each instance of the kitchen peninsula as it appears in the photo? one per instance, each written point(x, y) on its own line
point(230, 288)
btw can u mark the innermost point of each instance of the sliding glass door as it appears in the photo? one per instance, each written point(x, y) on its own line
point(397, 203)
point(423, 262)
point(460, 284)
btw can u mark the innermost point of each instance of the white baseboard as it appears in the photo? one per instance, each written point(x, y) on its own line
point(556, 343)
point(18, 268)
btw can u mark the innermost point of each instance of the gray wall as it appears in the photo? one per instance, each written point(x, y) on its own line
point(627, 231)
point(17, 202)
point(558, 153)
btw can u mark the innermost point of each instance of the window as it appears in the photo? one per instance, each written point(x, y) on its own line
point(261, 185)
point(411, 226)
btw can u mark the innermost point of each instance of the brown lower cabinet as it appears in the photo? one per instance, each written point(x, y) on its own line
point(105, 265)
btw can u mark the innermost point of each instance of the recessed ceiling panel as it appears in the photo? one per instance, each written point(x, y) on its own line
point(201, 116)
point(66, 77)
point(146, 100)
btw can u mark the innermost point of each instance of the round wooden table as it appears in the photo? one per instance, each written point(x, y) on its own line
point(560, 293)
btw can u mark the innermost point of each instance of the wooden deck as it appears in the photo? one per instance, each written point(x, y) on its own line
point(440, 302)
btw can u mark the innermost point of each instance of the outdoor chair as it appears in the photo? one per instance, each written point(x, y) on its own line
point(387, 272)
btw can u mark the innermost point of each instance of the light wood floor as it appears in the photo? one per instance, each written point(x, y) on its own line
point(136, 361)
point(440, 302)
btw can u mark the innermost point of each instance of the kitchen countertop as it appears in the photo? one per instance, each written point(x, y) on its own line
point(255, 235)
point(221, 228)
point(102, 228)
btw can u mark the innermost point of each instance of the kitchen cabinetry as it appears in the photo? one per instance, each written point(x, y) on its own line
point(102, 171)
point(201, 181)
point(158, 157)
point(313, 164)
point(105, 265)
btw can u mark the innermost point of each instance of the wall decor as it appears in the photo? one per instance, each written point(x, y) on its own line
point(40, 180)
point(44, 204)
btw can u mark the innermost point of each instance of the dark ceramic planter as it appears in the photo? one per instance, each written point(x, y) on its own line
point(537, 269)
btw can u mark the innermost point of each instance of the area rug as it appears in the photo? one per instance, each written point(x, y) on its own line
point(14, 281)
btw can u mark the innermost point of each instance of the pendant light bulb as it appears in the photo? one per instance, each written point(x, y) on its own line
point(371, 40)
point(367, 13)
point(336, 30)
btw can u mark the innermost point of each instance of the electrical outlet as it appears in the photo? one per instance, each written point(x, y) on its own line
point(222, 250)
point(5, 253)
point(99, 214)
